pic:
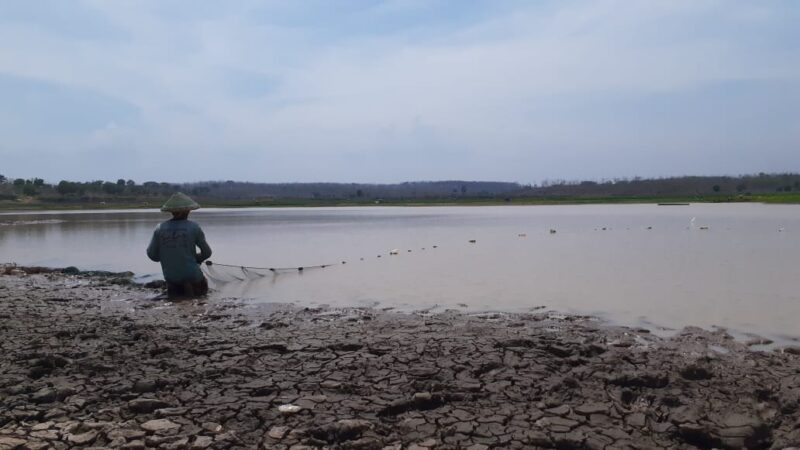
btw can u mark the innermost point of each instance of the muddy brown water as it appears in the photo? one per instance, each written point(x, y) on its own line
point(729, 265)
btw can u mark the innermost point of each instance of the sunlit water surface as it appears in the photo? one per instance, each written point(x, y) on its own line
point(633, 264)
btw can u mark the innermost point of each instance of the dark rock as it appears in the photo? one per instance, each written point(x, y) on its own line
point(144, 386)
point(156, 284)
point(591, 408)
point(345, 346)
point(271, 325)
point(569, 440)
point(488, 367)
point(562, 410)
point(45, 395)
point(421, 401)
point(627, 396)
point(146, 405)
point(697, 435)
point(696, 372)
point(792, 350)
point(37, 372)
point(340, 431)
point(641, 379)
point(423, 372)
point(592, 350)
point(516, 343)
point(559, 350)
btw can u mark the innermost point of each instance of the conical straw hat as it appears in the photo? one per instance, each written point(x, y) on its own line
point(179, 202)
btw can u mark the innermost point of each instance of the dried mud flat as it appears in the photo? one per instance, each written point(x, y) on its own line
point(89, 363)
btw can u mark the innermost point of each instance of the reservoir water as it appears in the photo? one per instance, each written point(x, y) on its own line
point(729, 265)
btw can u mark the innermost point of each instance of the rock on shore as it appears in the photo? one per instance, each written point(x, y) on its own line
point(87, 363)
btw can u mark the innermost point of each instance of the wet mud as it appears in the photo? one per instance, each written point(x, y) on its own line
point(89, 362)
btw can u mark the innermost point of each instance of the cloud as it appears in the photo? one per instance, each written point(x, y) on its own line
point(403, 89)
point(33, 106)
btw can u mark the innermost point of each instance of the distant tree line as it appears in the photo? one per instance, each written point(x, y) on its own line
point(123, 190)
point(66, 190)
point(678, 186)
point(233, 190)
point(120, 187)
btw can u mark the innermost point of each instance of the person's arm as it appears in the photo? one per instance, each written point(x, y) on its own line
point(205, 250)
point(152, 249)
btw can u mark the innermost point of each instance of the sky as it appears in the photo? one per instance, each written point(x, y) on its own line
point(397, 90)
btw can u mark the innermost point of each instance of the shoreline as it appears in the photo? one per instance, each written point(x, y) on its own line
point(756, 340)
point(762, 198)
point(93, 363)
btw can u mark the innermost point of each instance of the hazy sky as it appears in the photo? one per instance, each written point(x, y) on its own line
point(395, 90)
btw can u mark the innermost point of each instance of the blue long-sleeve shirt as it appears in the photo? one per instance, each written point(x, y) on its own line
point(174, 245)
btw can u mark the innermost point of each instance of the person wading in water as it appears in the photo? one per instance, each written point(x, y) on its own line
point(174, 245)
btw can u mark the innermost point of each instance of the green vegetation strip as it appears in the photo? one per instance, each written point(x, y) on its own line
point(777, 198)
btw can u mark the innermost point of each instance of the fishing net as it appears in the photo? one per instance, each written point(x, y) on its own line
point(228, 273)
point(221, 274)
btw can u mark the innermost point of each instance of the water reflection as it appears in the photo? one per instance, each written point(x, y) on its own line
point(628, 263)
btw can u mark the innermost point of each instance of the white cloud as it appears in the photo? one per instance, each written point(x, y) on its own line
point(483, 99)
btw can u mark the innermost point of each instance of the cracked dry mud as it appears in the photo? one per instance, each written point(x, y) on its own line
point(87, 363)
